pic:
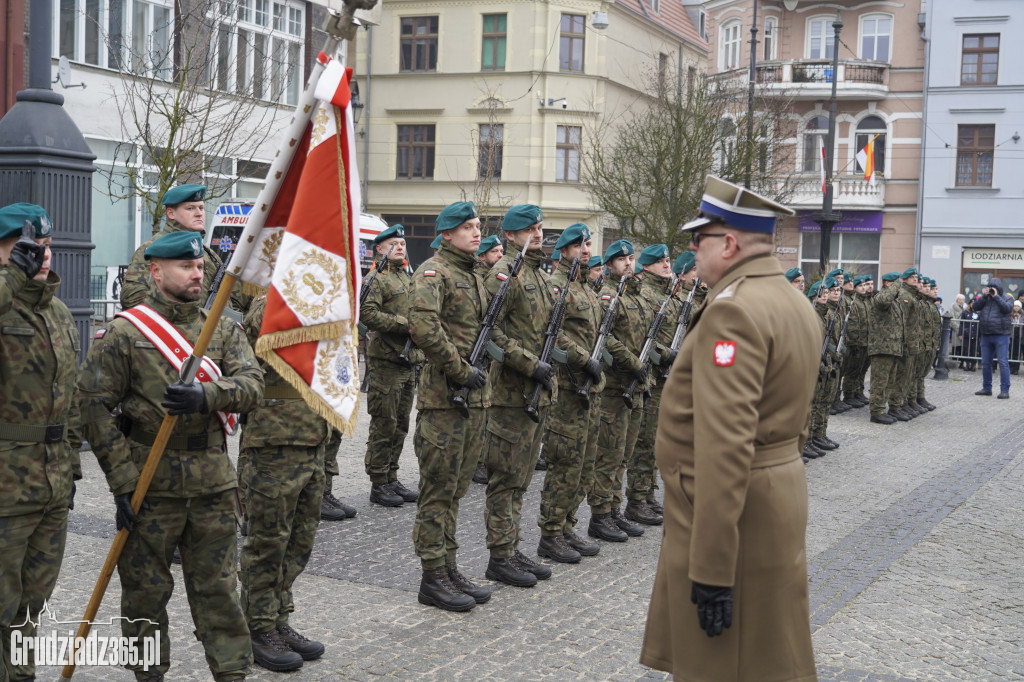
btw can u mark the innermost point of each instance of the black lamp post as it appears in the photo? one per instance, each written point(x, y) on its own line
point(828, 218)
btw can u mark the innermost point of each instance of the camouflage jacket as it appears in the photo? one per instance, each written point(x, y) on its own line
point(934, 325)
point(386, 312)
point(886, 323)
point(282, 417)
point(632, 318)
point(582, 320)
point(123, 367)
point(655, 289)
point(828, 311)
point(698, 298)
point(520, 329)
point(448, 303)
point(914, 317)
point(857, 331)
point(38, 356)
point(135, 287)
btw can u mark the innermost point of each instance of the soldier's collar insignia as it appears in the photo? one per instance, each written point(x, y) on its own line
point(727, 292)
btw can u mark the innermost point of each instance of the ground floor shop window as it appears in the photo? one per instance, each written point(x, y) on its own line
point(855, 252)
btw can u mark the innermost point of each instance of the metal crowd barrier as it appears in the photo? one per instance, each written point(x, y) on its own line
point(965, 341)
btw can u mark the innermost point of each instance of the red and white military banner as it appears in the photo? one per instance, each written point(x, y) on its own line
point(311, 264)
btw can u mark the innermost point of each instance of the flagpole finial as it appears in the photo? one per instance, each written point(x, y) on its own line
point(343, 24)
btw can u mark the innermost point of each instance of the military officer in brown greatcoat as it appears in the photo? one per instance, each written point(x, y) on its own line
point(730, 599)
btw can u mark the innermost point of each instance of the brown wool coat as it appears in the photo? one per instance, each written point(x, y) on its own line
point(735, 488)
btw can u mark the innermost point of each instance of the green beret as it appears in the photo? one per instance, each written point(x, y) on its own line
point(520, 217)
point(595, 262)
point(436, 244)
point(13, 217)
point(453, 215)
point(812, 291)
point(793, 273)
point(652, 254)
point(556, 255)
point(637, 269)
point(836, 272)
point(857, 281)
point(395, 230)
point(687, 261)
point(909, 272)
point(181, 245)
point(618, 248)
point(890, 276)
point(830, 282)
point(182, 193)
point(577, 233)
point(486, 244)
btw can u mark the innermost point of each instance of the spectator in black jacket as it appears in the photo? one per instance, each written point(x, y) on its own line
point(994, 309)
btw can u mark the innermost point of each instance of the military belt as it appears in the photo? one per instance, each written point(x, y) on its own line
point(51, 433)
point(774, 454)
point(280, 392)
point(180, 441)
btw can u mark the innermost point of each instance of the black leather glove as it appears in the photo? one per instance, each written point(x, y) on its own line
point(71, 502)
point(477, 379)
point(182, 398)
point(124, 517)
point(542, 374)
point(639, 374)
point(26, 254)
point(593, 369)
point(714, 607)
point(672, 355)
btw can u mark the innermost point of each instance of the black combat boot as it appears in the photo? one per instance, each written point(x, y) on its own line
point(883, 419)
point(641, 513)
point(898, 415)
point(271, 652)
point(603, 527)
point(349, 510)
point(479, 593)
point(557, 549)
point(538, 569)
point(328, 512)
point(382, 494)
point(925, 404)
point(629, 528)
point(811, 452)
point(508, 571)
point(655, 506)
point(582, 546)
point(480, 475)
point(829, 441)
point(300, 644)
point(437, 590)
point(403, 492)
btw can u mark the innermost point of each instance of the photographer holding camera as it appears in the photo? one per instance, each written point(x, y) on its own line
point(994, 309)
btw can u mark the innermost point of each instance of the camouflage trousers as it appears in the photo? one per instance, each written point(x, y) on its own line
point(641, 468)
point(446, 446)
point(923, 365)
point(899, 386)
point(570, 446)
point(824, 395)
point(331, 451)
point(513, 444)
point(31, 551)
point(204, 529)
point(854, 368)
point(616, 438)
point(883, 372)
point(389, 397)
point(285, 485)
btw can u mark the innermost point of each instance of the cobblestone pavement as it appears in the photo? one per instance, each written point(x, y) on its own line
point(914, 555)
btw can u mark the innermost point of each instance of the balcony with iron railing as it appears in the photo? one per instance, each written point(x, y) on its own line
point(850, 192)
point(811, 79)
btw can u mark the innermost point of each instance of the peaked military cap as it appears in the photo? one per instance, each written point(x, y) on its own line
point(909, 272)
point(622, 247)
point(395, 230)
point(181, 245)
point(738, 207)
point(812, 291)
point(436, 244)
point(453, 215)
point(652, 254)
point(13, 217)
point(595, 262)
point(577, 233)
point(890, 276)
point(687, 261)
point(793, 273)
point(486, 244)
point(520, 217)
point(182, 193)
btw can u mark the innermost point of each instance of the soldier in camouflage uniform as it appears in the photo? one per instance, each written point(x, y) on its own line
point(331, 508)
point(391, 365)
point(571, 429)
point(931, 327)
point(38, 440)
point(184, 211)
point(191, 501)
point(857, 346)
point(845, 300)
point(596, 272)
point(448, 304)
point(620, 424)
point(488, 253)
point(885, 348)
point(828, 384)
point(513, 438)
point(640, 477)
point(818, 296)
point(908, 299)
point(796, 278)
point(284, 443)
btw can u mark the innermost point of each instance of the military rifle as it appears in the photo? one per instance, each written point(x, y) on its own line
point(682, 323)
point(602, 339)
point(551, 335)
point(841, 346)
point(478, 355)
point(822, 372)
point(364, 291)
point(598, 282)
point(651, 339)
point(225, 258)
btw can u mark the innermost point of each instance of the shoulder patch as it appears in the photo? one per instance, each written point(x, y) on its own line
point(502, 276)
point(606, 297)
point(725, 353)
point(99, 333)
point(429, 273)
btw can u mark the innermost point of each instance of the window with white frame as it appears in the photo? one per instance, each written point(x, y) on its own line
point(871, 128)
point(771, 38)
point(134, 35)
point(702, 23)
point(729, 45)
point(876, 37)
point(815, 134)
point(854, 252)
point(725, 150)
point(821, 39)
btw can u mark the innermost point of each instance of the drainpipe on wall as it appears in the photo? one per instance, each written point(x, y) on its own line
point(924, 135)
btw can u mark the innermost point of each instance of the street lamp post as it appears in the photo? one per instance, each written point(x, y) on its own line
point(750, 98)
point(828, 218)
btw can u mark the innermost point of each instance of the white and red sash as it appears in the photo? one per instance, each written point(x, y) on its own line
point(176, 349)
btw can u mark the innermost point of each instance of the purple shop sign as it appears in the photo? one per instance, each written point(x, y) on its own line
point(853, 221)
